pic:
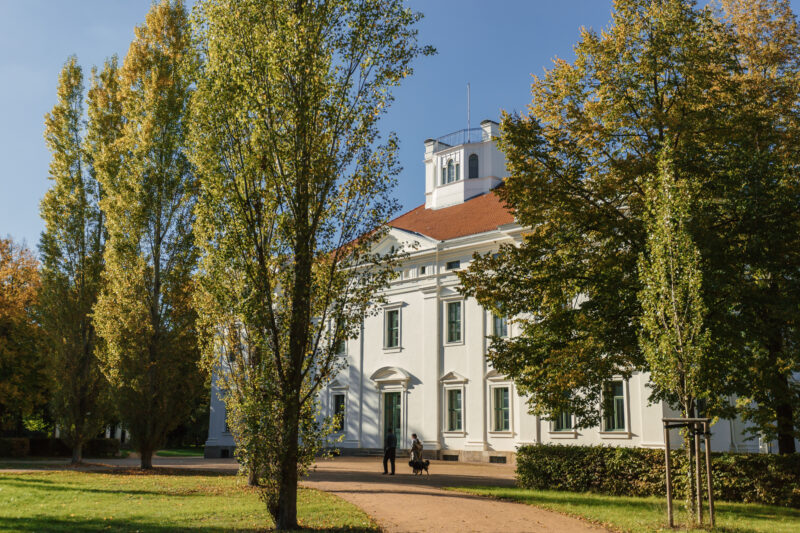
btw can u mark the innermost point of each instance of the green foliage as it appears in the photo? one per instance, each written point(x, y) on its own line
point(673, 338)
point(620, 471)
point(72, 264)
point(144, 313)
point(294, 192)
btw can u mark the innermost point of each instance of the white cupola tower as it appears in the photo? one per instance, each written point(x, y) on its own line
point(462, 165)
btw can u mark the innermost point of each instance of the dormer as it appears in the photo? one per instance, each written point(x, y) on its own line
point(462, 165)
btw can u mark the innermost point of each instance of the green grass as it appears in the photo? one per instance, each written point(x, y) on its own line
point(161, 501)
point(181, 452)
point(646, 514)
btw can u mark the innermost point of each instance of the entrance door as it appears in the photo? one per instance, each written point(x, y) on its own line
point(391, 413)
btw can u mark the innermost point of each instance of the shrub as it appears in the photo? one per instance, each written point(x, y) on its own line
point(751, 478)
point(47, 447)
point(101, 448)
point(14, 447)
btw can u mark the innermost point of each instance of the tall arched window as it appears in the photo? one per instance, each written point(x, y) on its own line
point(473, 166)
point(451, 172)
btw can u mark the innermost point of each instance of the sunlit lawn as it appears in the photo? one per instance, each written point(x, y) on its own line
point(181, 452)
point(646, 514)
point(164, 501)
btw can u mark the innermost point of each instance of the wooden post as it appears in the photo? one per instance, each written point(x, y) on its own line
point(707, 435)
point(697, 473)
point(669, 477)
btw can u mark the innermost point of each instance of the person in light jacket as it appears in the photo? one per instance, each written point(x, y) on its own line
point(416, 453)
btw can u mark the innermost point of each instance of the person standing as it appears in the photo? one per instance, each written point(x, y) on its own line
point(389, 450)
point(416, 453)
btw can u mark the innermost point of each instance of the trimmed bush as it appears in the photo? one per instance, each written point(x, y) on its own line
point(47, 447)
point(101, 448)
point(750, 478)
point(14, 447)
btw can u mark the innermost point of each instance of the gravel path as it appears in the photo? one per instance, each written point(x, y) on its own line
point(408, 503)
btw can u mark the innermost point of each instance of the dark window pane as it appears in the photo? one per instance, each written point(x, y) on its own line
point(473, 166)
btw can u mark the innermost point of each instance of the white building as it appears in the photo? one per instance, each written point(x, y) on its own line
point(419, 365)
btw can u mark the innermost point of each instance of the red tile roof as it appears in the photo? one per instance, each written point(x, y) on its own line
point(477, 215)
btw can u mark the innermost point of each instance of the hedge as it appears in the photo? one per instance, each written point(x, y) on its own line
point(101, 448)
point(751, 478)
point(14, 447)
point(47, 447)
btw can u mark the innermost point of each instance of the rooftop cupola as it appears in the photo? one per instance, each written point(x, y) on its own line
point(462, 165)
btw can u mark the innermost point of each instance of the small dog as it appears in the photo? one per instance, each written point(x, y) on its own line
point(419, 466)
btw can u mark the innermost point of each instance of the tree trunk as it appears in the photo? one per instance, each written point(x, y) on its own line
point(783, 415)
point(77, 453)
point(252, 476)
point(147, 458)
point(690, 488)
point(287, 492)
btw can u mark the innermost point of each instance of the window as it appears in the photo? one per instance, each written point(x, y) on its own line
point(613, 407)
point(444, 175)
point(453, 265)
point(501, 409)
point(563, 421)
point(451, 172)
point(473, 166)
point(454, 410)
point(454, 322)
point(422, 270)
point(392, 323)
point(500, 326)
point(338, 410)
point(336, 329)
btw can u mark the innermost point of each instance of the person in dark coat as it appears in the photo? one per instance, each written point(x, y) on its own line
point(389, 450)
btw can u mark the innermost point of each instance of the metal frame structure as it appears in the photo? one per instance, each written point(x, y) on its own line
point(696, 426)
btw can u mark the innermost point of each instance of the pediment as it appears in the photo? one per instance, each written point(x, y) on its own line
point(337, 384)
point(453, 377)
point(390, 374)
point(403, 241)
point(494, 375)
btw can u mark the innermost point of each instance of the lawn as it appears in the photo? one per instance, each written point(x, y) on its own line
point(646, 514)
point(162, 501)
point(181, 452)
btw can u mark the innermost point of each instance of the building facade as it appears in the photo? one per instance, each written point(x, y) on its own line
point(419, 365)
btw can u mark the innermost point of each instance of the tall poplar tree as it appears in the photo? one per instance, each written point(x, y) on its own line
point(72, 264)
point(295, 190)
point(673, 335)
point(144, 313)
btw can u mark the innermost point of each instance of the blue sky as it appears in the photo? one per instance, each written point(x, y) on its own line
point(493, 45)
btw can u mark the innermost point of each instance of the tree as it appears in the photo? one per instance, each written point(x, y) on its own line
point(673, 337)
point(144, 313)
point(294, 193)
point(760, 180)
point(577, 162)
point(23, 385)
point(72, 265)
